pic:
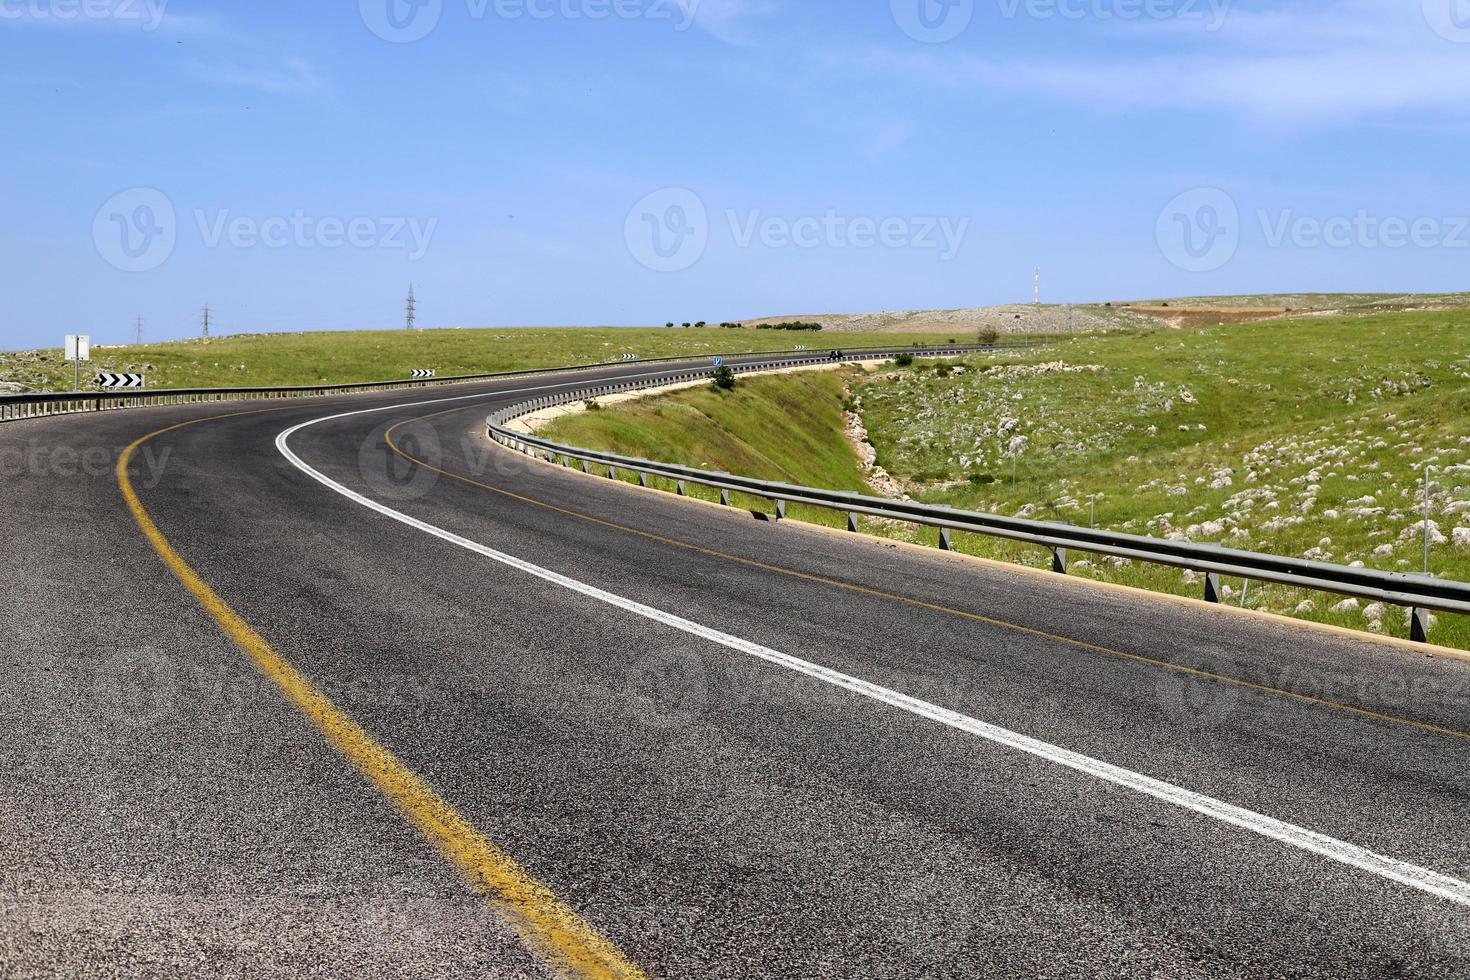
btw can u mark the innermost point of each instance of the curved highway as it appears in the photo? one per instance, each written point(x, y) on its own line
point(339, 687)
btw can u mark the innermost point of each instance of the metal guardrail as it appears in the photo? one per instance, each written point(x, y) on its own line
point(1420, 593)
point(29, 405)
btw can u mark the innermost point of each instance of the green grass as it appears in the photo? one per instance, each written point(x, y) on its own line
point(1270, 436)
point(349, 356)
point(777, 427)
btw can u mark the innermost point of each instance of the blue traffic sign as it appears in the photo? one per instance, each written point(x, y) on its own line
point(719, 361)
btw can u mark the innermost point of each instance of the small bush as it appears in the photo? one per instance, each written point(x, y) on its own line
point(988, 337)
point(794, 325)
point(592, 405)
point(723, 378)
point(904, 360)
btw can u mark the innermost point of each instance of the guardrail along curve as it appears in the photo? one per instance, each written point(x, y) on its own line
point(39, 404)
point(1421, 594)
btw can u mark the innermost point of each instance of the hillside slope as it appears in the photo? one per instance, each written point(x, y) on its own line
point(1307, 437)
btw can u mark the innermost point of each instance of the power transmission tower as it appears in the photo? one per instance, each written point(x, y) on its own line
point(411, 316)
point(138, 332)
point(1036, 300)
point(206, 320)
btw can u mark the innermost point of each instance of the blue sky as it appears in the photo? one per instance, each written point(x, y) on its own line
point(297, 165)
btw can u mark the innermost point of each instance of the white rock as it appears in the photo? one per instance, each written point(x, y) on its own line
point(1383, 551)
point(1461, 537)
point(1346, 605)
point(1375, 612)
point(1306, 606)
point(1416, 531)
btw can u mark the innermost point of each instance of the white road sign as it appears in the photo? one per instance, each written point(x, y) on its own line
point(78, 347)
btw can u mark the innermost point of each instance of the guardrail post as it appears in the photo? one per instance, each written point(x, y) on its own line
point(780, 510)
point(725, 498)
point(585, 467)
point(612, 472)
point(1059, 560)
point(851, 521)
point(680, 489)
point(945, 543)
point(643, 479)
point(1212, 587)
point(1419, 625)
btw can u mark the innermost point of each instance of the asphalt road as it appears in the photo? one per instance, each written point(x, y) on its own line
point(613, 728)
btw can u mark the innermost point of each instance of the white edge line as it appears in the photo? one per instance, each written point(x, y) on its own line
point(1401, 872)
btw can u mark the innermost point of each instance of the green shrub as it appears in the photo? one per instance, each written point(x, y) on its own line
point(724, 378)
point(904, 360)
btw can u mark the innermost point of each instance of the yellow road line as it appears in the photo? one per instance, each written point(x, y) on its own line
point(907, 600)
point(552, 929)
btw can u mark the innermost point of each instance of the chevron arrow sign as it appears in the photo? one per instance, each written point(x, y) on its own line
point(108, 379)
point(630, 357)
point(423, 374)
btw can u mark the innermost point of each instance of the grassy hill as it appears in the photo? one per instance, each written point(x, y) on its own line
point(345, 356)
point(1064, 318)
point(1306, 437)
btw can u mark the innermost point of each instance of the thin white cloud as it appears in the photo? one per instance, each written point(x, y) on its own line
point(294, 76)
point(1302, 62)
point(730, 21)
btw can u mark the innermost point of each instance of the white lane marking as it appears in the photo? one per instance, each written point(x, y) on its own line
point(1392, 869)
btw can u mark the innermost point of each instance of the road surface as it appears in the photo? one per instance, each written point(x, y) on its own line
point(329, 712)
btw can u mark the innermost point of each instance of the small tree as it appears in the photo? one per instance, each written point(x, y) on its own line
point(686, 324)
point(670, 325)
point(699, 325)
point(904, 360)
point(724, 378)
